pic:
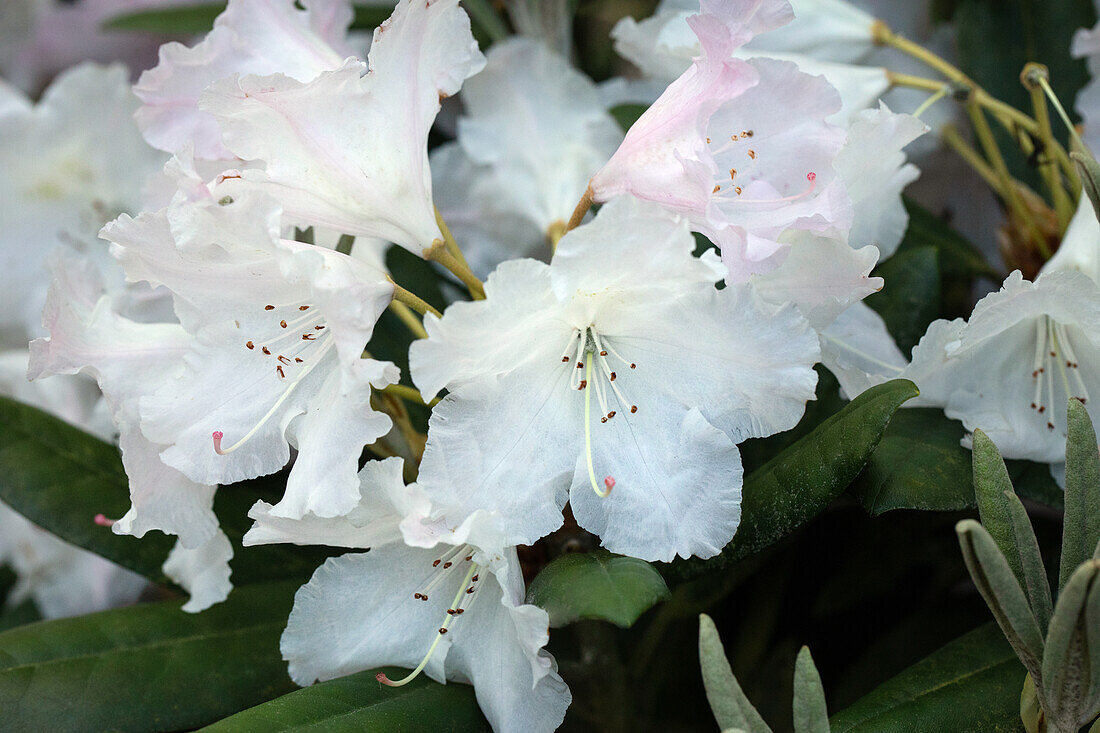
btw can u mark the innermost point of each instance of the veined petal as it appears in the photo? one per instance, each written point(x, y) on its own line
point(820, 275)
point(359, 612)
point(379, 183)
point(249, 37)
point(479, 338)
point(519, 468)
point(202, 571)
point(859, 351)
point(680, 495)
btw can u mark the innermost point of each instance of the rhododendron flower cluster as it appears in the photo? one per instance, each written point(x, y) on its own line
point(452, 307)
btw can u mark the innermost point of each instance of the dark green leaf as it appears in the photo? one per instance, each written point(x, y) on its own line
point(627, 114)
point(800, 482)
point(958, 258)
point(1081, 528)
point(358, 703)
point(148, 667)
point(1004, 517)
point(60, 477)
point(597, 585)
point(919, 464)
point(910, 298)
point(973, 683)
point(1033, 481)
point(485, 18)
point(24, 613)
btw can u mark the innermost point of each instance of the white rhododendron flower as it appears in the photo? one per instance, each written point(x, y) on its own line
point(129, 359)
point(1012, 367)
point(741, 148)
point(534, 131)
point(62, 579)
point(663, 47)
point(347, 151)
point(250, 37)
point(681, 373)
point(274, 356)
point(450, 604)
point(1086, 44)
point(68, 164)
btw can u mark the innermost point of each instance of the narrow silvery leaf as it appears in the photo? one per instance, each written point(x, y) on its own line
point(1002, 592)
point(730, 706)
point(1005, 518)
point(1081, 525)
point(1066, 661)
point(810, 713)
point(1092, 639)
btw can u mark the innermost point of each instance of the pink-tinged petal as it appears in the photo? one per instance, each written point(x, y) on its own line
point(250, 37)
point(349, 153)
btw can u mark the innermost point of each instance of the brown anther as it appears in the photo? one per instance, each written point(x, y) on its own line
point(633, 409)
point(269, 307)
point(470, 590)
point(1042, 408)
point(284, 360)
point(474, 579)
point(451, 611)
point(303, 307)
point(633, 365)
point(459, 611)
point(1035, 373)
point(279, 369)
point(565, 360)
point(1069, 364)
point(318, 328)
point(420, 596)
point(297, 360)
point(442, 630)
point(611, 414)
point(282, 323)
point(308, 337)
point(747, 133)
point(250, 345)
point(737, 190)
point(1050, 426)
point(733, 172)
point(752, 154)
point(716, 189)
point(708, 141)
point(1032, 405)
point(447, 565)
point(612, 376)
point(603, 419)
point(603, 353)
point(469, 558)
point(266, 351)
point(1053, 354)
point(584, 384)
point(436, 563)
point(580, 365)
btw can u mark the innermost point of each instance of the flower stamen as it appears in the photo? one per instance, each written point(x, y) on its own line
point(453, 611)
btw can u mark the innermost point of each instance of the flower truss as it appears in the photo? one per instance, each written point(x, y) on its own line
point(654, 297)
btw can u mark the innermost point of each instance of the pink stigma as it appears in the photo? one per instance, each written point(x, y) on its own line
point(217, 435)
point(102, 521)
point(609, 482)
point(381, 677)
point(811, 176)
